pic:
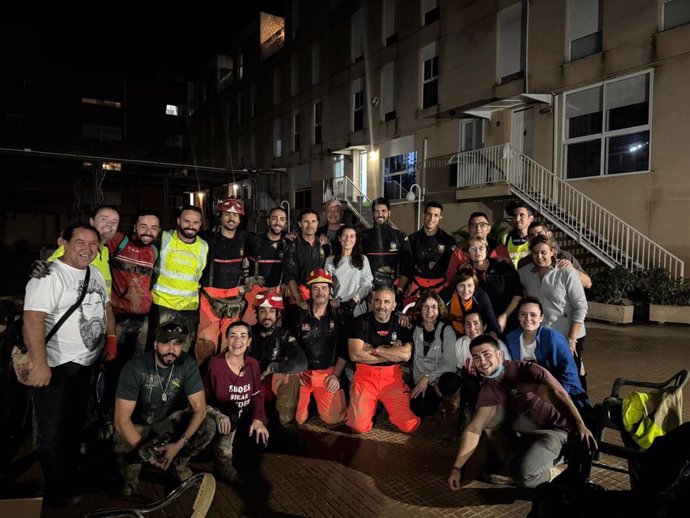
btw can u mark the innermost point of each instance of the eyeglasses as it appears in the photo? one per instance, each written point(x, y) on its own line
point(479, 225)
point(431, 307)
point(478, 248)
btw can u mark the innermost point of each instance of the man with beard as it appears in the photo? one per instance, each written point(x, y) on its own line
point(221, 292)
point(182, 260)
point(60, 368)
point(280, 358)
point(379, 345)
point(160, 410)
point(319, 335)
point(303, 255)
point(430, 250)
point(517, 240)
point(132, 259)
point(382, 244)
point(264, 259)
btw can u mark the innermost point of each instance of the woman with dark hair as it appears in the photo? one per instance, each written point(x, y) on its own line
point(561, 294)
point(352, 277)
point(499, 280)
point(464, 295)
point(434, 352)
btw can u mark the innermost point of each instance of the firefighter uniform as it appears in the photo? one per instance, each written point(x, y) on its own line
point(264, 265)
point(426, 263)
point(321, 342)
point(300, 259)
point(221, 287)
point(383, 244)
point(382, 381)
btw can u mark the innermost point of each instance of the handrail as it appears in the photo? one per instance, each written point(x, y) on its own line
point(344, 189)
point(604, 234)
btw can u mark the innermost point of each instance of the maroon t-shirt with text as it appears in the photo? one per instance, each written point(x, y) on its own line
point(230, 392)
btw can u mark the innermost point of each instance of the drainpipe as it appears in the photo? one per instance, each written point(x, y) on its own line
point(425, 152)
point(527, 48)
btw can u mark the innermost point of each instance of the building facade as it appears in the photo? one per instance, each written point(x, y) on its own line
point(353, 99)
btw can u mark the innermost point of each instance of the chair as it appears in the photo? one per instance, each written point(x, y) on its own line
point(608, 414)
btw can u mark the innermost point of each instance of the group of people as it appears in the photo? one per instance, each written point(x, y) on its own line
point(202, 334)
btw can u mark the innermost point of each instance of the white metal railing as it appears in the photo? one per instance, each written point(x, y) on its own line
point(346, 191)
point(393, 185)
point(603, 233)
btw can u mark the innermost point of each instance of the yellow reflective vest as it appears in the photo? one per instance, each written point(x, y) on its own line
point(178, 272)
point(101, 261)
point(516, 252)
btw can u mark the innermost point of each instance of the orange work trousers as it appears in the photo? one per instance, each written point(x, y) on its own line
point(212, 328)
point(331, 405)
point(372, 384)
point(283, 390)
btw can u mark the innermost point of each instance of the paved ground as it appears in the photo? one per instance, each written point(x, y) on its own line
point(386, 473)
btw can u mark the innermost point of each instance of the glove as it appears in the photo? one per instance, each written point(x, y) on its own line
point(110, 348)
point(39, 269)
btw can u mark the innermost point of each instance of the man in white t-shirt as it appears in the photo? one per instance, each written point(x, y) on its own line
point(61, 368)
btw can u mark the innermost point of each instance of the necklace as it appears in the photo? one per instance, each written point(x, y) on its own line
point(164, 396)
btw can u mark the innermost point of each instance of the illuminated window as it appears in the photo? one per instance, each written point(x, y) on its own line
point(101, 102)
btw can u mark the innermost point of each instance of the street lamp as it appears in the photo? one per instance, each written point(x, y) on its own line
point(411, 197)
point(286, 206)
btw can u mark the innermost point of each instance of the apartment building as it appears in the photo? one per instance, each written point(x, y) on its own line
point(576, 106)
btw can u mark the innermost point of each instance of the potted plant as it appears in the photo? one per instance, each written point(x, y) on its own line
point(668, 299)
point(610, 296)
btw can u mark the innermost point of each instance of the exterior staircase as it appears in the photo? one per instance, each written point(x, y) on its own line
point(602, 233)
point(352, 197)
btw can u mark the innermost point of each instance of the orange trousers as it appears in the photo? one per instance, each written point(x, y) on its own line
point(212, 329)
point(372, 384)
point(331, 405)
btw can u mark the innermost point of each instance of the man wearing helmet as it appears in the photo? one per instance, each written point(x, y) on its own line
point(319, 335)
point(221, 281)
point(280, 358)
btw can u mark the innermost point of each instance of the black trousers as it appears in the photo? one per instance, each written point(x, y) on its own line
point(60, 411)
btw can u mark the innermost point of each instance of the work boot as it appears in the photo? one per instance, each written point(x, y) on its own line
point(226, 472)
point(180, 470)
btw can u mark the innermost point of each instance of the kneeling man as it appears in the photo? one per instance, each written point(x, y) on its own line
point(530, 400)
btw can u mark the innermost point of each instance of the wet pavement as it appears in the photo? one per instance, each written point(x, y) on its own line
point(387, 473)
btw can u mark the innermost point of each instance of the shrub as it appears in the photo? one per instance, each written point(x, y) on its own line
point(614, 286)
point(657, 287)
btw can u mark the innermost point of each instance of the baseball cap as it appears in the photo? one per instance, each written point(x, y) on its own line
point(171, 331)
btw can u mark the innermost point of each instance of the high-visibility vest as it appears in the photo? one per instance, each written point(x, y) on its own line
point(516, 252)
point(101, 261)
point(178, 272)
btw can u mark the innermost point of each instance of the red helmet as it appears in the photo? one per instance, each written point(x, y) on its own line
point(232, 205)
point(319, 275)
point(270, 298)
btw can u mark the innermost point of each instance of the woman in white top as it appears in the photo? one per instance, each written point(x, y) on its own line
point(352, 277)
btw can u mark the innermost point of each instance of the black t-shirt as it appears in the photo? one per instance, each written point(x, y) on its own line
point(224, 264)
point(378, 334)
point(382, 244)
point(319, 338)
point(269, 256)
point(430, 255)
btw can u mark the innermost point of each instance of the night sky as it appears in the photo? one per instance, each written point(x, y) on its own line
point(132, 37)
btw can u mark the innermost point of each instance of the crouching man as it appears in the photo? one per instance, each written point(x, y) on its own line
point(525, 397)
point(151, 422)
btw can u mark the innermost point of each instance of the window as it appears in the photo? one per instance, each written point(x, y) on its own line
point(363, 171)
point(430, 11)
point(388, 22)
point(302, 199)
point(294, 75)
point(399, 173)
point(277, 139)
point(607, 128)
point(388, 91)
point(317, 123)
point(511, 42)
point(675, 13)
point(584, 27)
point(471, 134)
point(429, 75)
point(101, 132)
point(356, 34)
point(357, 105)
point(315, 63)
point(296, 132)
point(174, 141)
point(338, 166)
